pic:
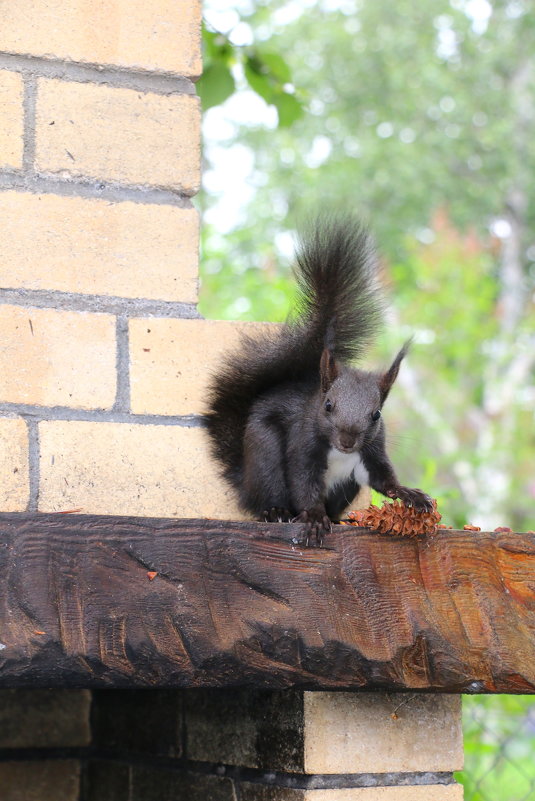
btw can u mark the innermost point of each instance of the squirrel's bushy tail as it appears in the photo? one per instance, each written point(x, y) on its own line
point(338, 305)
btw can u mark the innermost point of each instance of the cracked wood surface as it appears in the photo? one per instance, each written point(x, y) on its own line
point(241, 604)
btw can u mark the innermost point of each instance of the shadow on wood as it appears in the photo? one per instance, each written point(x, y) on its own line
point(243, 604)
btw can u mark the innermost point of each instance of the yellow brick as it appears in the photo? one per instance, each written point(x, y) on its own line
point(14, 483)
point(160, 35)
point(57, 358)
point(73, 244)
point(115, 468)
point(118, 134)
point(11, 118)
point(355, 733)
point(171, 361)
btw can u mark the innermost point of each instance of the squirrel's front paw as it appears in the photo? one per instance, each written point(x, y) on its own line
point(412, 497)
point(316, 523)
point(277, 514)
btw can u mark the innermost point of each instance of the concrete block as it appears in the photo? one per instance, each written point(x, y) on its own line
point(44, 718)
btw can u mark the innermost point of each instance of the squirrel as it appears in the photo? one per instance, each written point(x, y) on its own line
point(296, 429)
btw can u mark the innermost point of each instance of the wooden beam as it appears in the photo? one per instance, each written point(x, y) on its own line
point(244, 604)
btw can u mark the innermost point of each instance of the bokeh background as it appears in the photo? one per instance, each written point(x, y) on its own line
point(420, 118)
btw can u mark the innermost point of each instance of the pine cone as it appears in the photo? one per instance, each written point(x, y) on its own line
point(396, 518)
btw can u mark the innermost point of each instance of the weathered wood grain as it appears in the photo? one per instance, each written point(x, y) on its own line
point(241, 604)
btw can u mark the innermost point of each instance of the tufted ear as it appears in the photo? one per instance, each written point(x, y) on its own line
point(388, 378)
point(328, 369)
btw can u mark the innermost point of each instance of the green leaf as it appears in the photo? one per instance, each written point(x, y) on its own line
point(258, 80)
point(216, 47)
point(215, 85)
point(288, 107)
point(276, 65)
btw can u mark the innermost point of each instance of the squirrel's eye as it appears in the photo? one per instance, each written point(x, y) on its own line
point(328, 405)
point(376, 415)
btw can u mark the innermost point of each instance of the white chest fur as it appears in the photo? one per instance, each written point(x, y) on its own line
point(341, 465)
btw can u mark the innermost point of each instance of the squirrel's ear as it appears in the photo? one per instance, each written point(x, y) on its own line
point(328, 369)
point(388, 378)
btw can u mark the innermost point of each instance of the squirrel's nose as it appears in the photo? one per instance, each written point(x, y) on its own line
point(348, 439)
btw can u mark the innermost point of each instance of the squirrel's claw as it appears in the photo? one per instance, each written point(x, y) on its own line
point(277, 514)
point(315, 525)
point(412, 497)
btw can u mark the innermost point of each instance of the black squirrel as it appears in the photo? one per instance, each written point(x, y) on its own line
point(296, 429)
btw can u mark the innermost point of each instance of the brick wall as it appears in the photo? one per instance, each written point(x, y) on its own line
point(103, 360)
point(101, 357)
point(234, 745)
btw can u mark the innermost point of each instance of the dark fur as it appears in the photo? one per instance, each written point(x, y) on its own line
point(267, 419)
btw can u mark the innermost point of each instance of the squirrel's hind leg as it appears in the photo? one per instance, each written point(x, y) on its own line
point(264, 489)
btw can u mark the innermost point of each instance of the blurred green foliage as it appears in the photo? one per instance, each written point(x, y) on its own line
point(499, 744)
point(420, 117)
point(265, 70)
